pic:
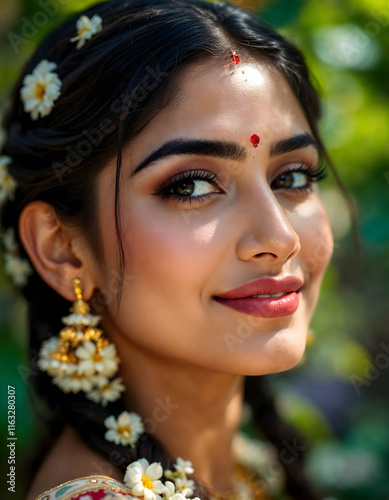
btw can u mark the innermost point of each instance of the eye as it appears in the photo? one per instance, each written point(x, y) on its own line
point(189, 186)
point(300, 178)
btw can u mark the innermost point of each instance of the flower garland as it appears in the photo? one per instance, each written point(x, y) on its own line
point(144, 479)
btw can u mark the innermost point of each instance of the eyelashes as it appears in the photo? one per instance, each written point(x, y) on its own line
point(187, 180)
point(314, 174)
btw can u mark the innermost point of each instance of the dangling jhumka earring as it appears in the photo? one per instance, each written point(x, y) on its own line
point(81, 358)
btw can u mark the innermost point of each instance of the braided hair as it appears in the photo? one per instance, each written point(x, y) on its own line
point(57, 159)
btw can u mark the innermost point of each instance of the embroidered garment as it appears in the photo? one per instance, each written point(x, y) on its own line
point(88, 488)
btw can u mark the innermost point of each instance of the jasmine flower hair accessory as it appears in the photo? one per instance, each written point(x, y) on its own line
point(16, 267)
point(40, 90)
point(7, 182)
point(86, 28)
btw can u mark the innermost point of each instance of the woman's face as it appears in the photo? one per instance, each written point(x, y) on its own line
point(234, 224)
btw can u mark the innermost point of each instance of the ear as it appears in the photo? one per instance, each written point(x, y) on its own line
point(56, 252)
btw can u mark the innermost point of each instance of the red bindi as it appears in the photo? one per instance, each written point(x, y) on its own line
point(254, 139)
point(234, 57)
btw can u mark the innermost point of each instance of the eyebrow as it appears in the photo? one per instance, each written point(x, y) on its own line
point(221, 149)
point(195, 147)
point(292, 143)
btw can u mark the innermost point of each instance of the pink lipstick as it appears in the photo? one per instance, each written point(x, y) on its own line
point(283, 300)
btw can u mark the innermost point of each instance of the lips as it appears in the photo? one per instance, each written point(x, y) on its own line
point(243, 299)
point(264, 286)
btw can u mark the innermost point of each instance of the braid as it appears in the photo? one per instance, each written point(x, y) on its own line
point(269, 423)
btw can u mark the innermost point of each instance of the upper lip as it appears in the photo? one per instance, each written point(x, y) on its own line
point(264, 286)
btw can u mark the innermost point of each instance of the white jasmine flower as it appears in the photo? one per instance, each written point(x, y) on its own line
point(183, 467)
point(9, 241)
point(170, 490)
point(19, 269)
point(86, 28)
point(143, 479)
point(81, 319)
point(184, 485)
point(40, 90)
point(7, 182)
point(52, 366)
point(104, 362)
point(73, 382)
point(125, 430)
point(106, 391)
point(45, 361)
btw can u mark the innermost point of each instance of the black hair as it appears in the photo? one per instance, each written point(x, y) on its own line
point(111, 90)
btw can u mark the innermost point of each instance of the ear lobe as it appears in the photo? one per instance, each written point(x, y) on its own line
point(49, 246)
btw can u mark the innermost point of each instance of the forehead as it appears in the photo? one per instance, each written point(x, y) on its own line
point(228, 101)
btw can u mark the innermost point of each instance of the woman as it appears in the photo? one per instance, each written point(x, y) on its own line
point(162, 160)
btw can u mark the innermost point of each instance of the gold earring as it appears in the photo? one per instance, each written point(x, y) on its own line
point(81, 358)
point(310, 336)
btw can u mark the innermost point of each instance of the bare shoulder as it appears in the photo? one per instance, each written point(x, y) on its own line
point(71, 459)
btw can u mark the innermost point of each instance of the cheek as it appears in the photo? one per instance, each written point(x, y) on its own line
point(168, 249)
point(170, 255)
point(317, 243)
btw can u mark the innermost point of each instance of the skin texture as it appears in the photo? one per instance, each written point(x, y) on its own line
point(169, 331)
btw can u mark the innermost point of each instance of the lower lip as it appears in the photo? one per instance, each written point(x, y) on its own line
point(269, 307)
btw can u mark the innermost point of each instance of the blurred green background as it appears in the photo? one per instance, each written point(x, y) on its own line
point(337, 395)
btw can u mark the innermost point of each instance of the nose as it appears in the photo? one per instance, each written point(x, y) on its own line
point(266, 230)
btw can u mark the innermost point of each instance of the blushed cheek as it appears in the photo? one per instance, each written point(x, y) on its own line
point(317, 242)
point(168, 253)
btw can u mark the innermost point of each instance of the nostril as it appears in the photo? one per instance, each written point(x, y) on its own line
point(265, 253)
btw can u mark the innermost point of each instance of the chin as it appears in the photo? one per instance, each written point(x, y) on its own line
point(277, 355)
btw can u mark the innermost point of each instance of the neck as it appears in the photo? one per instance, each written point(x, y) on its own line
point(193, 412)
